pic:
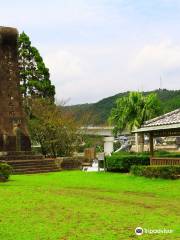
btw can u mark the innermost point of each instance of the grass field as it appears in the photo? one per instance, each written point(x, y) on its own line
point(79, 205)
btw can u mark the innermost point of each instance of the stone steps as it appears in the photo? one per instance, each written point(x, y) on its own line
point(24, 166)
point(32, 171)
point(69, 164)
point(17, 153)
point(20, 157)
point(33, 166)
point(31, 161)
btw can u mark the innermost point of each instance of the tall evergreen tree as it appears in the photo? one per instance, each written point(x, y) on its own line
point(35, 77)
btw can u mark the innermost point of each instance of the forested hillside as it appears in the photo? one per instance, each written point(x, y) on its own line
point(98, 113)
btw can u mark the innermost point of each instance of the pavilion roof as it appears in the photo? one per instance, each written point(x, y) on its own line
point(167, 121)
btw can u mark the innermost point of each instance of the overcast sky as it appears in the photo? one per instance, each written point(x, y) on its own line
point(97, 48)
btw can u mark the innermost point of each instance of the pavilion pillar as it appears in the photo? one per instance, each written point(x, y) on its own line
point(136, 142)
point(151, 144)
point(141, 142)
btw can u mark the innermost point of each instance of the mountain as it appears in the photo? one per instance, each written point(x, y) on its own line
point(98, 113)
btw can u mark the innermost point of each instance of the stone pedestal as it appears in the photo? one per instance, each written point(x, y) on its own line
point(108, 145)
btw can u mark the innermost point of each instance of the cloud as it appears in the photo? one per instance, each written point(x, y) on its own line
point(53, 14)
point(164, 56)
point(96, 48)
point(155, 61)
point(87, 74)
point(64, 63)
point(80, 72)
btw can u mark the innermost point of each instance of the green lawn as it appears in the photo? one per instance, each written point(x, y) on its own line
point(80, 205)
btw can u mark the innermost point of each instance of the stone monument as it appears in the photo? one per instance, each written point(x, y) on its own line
point(13, 130)
point(15, 145)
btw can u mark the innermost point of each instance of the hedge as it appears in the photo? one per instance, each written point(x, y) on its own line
point(123, 162)
point(161, 153)
point(157, 153)
point(163, 171)
point(5, 171)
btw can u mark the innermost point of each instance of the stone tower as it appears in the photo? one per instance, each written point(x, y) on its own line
point(13, 130)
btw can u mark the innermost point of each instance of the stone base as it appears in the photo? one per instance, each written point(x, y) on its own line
point(9, 143)
point(28, 162)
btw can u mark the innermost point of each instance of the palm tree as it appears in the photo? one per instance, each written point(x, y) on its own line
point(131, 111)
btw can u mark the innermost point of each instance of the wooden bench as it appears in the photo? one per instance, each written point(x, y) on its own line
point(164, 161)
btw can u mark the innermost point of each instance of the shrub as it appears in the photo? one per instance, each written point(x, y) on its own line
point(163, 171)
point(158, 153)
point(116, 145)
point(166, 154)
point(123, 162)
point(5, 171)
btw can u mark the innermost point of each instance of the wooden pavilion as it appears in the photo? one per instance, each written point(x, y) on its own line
point(162, 126)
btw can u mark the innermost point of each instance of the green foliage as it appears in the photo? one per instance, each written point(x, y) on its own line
point(124, 153)
point(123, 162)
point(167, 172)
point(91, 141)
point(166, 154)
point(100, 110)
point(169, 101)
point(52, 128)
point(116, 145)
point(5, 171)
point(34, 75)
point(131, 111)
point(77, 205)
